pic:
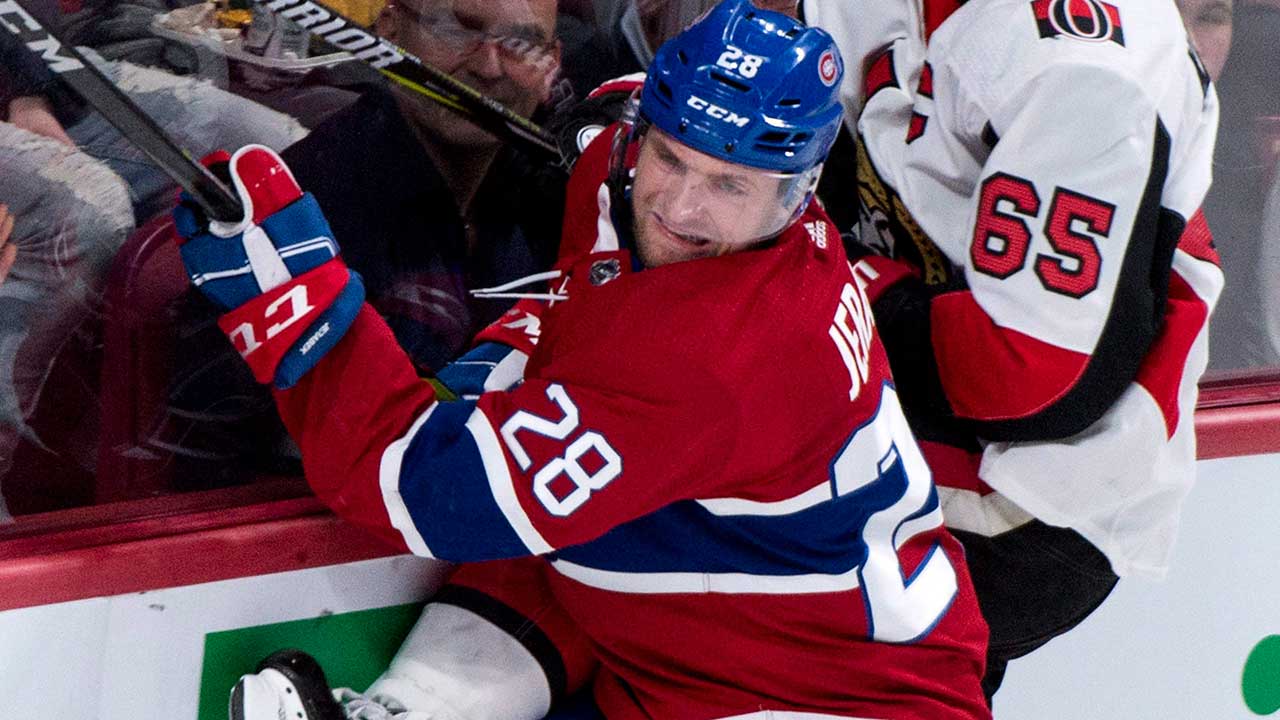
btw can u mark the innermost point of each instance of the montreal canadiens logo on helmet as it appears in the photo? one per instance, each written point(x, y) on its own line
point(828, 68)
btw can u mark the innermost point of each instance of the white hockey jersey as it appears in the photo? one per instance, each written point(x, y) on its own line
point(1042, 164)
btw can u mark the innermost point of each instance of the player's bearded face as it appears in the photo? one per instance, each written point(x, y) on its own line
point(690, 205)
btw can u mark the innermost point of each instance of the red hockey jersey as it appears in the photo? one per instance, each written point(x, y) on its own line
point(712, 457)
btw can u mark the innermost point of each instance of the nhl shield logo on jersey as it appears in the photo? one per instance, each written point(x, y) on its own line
point(602, 271)
point(1088, 20)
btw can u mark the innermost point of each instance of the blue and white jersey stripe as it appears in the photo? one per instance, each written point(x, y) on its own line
point(809, 543)
point(389, 482)
point(501, 485)
point(199, 279)
point(447, 489)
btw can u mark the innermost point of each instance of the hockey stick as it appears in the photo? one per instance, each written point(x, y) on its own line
point(404, 68)
point(97, 90)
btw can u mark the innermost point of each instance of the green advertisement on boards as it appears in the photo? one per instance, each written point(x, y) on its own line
point(352, 647)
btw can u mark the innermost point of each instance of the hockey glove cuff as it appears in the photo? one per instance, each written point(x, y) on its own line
point(485, 368)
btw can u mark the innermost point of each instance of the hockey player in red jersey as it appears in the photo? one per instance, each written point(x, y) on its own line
point(1041, 165)
point(702, 501)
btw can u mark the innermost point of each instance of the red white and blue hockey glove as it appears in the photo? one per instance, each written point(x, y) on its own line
point(290, 297)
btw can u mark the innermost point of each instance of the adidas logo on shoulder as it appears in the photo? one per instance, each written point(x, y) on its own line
point(817, 233)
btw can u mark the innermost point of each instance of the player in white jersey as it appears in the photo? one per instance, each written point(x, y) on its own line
point(1041, 165)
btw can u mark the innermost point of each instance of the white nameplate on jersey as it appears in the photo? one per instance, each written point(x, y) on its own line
point(851, 330)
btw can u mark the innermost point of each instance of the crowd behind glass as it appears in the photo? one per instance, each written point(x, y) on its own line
point(113, 386)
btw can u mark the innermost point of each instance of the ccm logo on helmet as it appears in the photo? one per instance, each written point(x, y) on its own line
point(717, 112)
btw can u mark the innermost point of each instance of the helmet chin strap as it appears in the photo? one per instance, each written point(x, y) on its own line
point(621, 177)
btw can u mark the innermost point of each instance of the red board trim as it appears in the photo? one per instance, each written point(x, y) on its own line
point(266, 528)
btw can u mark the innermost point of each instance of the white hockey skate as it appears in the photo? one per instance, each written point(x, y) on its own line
point(288, 685)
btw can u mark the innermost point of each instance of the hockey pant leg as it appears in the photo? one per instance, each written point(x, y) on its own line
point(1034, 583)
point(493, 644)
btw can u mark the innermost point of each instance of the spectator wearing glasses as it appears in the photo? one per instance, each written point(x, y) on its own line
point(504, 50)
point(426, 204)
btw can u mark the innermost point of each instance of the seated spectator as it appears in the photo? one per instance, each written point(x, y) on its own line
point(1246, 189)
point(1209, 25)
point(121, 30)
point(77, 189)
point(427, 206)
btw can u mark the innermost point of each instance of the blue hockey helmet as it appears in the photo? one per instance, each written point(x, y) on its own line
point(748, 86)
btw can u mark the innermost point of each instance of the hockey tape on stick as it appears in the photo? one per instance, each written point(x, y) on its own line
point(135, 125)
point(404, 68)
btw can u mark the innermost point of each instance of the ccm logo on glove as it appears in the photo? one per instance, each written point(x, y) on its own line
point(245, 338)
point(272, 314)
